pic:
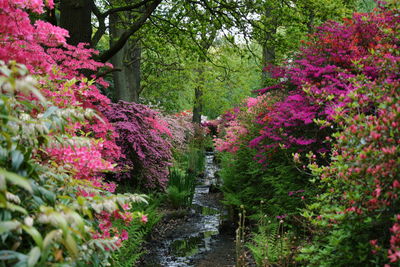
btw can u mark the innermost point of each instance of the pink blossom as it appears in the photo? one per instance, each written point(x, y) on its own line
point(143, 219)
point(124, 235)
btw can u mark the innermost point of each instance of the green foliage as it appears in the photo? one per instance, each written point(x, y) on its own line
point(195, 161)
point(188, 165)
point(270, 245)
point(246, 182)
point(229, 76)
point(180, 189)
point(31, 209)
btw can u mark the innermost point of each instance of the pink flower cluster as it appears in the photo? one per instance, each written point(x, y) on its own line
point(181, 128)
point(231, 141)
point(84, 162)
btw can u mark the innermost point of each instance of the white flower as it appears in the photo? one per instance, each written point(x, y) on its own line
point(28, 221)
point(13, 198)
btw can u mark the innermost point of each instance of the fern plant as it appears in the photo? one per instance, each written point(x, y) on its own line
point(270, 244)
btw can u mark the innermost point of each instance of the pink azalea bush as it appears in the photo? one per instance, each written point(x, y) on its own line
point(181, 128)
point(233, 131)
point(362, 181)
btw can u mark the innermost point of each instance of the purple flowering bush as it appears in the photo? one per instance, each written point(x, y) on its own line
point(143, 138)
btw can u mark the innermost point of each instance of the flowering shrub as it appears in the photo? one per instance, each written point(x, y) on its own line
point(56, 206)
point(259, 188)
point(43, 49)
point(63, 212)
point(143, 140)
point(345, 80)
point(181, 128)
point(231, 140)
point(357, 215)
point(319, 76)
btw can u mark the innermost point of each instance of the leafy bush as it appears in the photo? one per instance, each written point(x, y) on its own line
point(271, 245)
point(131, 251)
point(262, 188)
point(58, 214)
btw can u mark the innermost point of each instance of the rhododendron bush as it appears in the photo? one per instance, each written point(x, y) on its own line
point(259, 188)
point(56, 146)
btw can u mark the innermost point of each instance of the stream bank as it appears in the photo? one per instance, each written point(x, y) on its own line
point(195, 237)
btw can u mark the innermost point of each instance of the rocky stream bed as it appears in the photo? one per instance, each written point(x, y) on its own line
point(199, 237)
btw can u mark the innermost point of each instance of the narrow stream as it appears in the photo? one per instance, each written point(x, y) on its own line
point(195, 237)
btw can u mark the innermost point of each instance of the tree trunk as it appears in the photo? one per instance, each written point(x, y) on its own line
point(268, 48)
point(127, 60)
point(75, 16)
point(198, 104)
point(268, 57)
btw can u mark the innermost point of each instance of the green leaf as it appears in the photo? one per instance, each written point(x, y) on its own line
point(13, 207)
point(34, 233)
point(49, 238)
point(33, 256)
point(71, 246)
point(50, 196)
point(16, 179)
point(81, 200)
point(61, 222)
point(3, 184)
point(17, 158)
point(10, 255)
point(9, 226)
point(78, 220)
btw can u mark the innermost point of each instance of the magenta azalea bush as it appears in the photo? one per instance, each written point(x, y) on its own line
point(319, 76)
point(143, 138)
